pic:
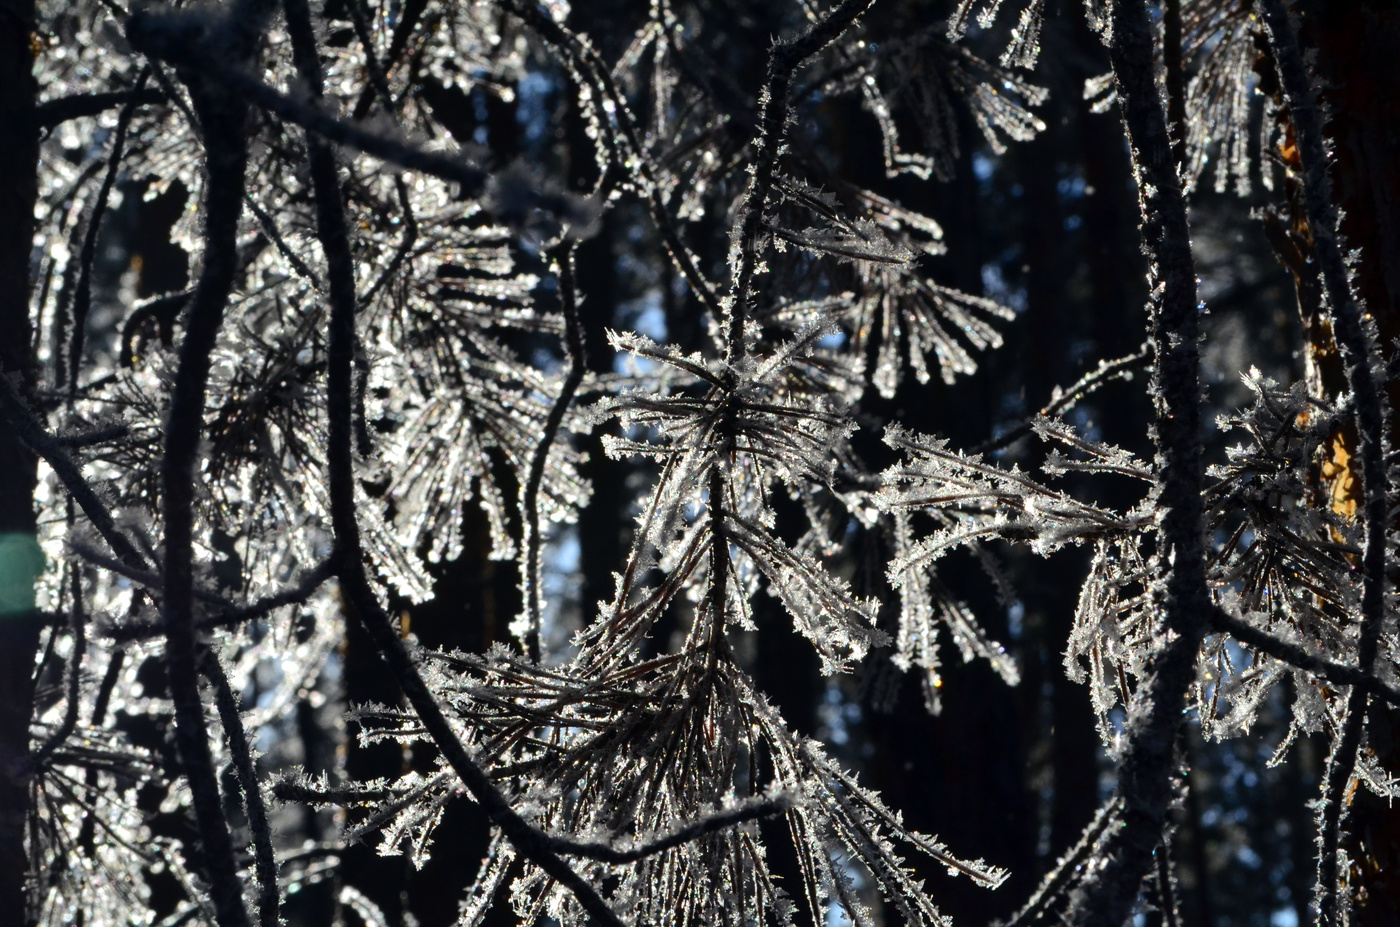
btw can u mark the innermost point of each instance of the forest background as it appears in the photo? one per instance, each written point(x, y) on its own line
point(547, 280)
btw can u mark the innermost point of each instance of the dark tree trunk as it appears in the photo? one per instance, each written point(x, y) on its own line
point(19, 560)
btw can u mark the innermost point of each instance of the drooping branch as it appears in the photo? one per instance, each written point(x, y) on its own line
point(1105, 897)
point(1358, 353)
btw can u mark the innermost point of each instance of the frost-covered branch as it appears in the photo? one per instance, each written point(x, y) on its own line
point(333, 232)
point(1359, 357)
point(78, 625)
point(719, 820)
point(530, 496)
point(1295, 655)
point(774, 110)
point(589, 69)
point(265, 862)
point(1105, 897)
point(1070, 866)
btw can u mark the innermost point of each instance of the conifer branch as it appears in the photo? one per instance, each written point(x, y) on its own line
point(1294, 655)
point(333, 232)
point(586, 64)
point(774, 111)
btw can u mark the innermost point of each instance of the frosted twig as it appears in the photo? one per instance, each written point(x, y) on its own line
point(720, 820)
point(155, 35)
point(269, 227)
point(530, 497)
point(587, 65)
point(82, 294)
point(405, 25)
point(1060, 878)
point(1357, 352)
point(1176, 79)
point(289, 789)
point(783, 61)
point(1064, 400)
point(378, 81)
point(264, 861)
point(1294, 655)
point(231, 614)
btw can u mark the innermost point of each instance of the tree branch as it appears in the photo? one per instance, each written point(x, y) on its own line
point(264, 860)
point(51, 113)
point(222, 119)
point(530, 496)
point(1358, 354)
point(1294, 655)
point(1105, 897)
point(775, 108)
point(332, 230)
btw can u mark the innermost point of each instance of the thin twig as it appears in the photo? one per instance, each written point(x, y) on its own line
point(783, 61)
point(231, 614)
point(587, 64)
point(378, 80)
point(1176, 79)
point(264, 861)
point(720, 820)
point(1070, 866)
point(78, 623)
point(55, 112)
point(530, 497)
point(82, 295)
point(1105, 373)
